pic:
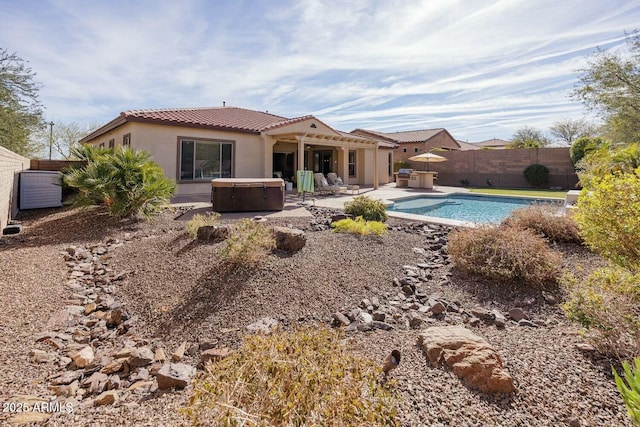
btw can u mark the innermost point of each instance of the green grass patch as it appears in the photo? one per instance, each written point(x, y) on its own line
point(558, 194)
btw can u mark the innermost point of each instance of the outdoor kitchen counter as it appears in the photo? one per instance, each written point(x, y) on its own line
point(422, 179)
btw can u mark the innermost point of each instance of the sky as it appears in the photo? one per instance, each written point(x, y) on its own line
point(480, 69)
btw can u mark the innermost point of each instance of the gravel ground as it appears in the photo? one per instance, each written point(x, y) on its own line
point(173, 285)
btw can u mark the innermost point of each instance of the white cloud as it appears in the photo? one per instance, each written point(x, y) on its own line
point(471, 66)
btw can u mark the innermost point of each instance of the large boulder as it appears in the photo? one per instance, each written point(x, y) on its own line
point(289, 239)
point(469, 356)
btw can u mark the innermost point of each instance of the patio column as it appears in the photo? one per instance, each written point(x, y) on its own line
point(269, 142)
point(344, 164)
point(375, 169)
point(300, 139)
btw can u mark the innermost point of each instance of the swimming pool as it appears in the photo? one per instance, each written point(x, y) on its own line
point(466, 207)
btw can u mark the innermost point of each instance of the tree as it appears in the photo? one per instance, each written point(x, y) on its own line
point(20, 110)
point(529, 137)
point(65, 138)
point(583, 146)
point(611, 87)
point(569, 130)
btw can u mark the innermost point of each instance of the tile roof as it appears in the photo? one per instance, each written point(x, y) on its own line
point(403, 136)
point(493, 142)
point(232, 118)
point(465, 146)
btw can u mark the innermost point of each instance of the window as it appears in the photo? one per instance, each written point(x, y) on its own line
point(416, 150)
point(390, 165)
point(404, 150)
point(112, 143)
point(204, 160)
point(352, 164)
point(101, 145)
point(126, 140)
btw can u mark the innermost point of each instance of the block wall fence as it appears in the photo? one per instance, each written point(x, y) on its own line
point(503, 168)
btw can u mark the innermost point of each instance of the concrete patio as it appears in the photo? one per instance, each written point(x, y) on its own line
point(293, 208)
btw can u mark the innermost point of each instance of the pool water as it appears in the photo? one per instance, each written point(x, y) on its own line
point(466, 207)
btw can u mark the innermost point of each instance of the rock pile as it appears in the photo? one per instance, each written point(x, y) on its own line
point(100, 361)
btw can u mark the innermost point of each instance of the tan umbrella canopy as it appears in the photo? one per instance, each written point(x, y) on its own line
point(428, 158)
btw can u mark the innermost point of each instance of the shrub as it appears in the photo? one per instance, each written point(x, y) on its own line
point(606, 304)
point(367, 208)
point(609, 218)
point(537, 175)
point(304, 377)
point(630, 390)
point(504, 254)
point(127, 182)
point(583, 146)
point(359, 226)
point(543, 219)
point(248, 244)
point(400, 164)
point(199, 220)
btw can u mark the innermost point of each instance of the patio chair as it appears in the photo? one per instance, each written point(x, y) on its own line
point(322, 185)
point(334, 179)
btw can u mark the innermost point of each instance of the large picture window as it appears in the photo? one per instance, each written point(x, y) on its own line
point(352, 164)
point(205, 160)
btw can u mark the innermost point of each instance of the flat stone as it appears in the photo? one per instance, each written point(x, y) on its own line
point(41, 356)
point(382, 325)
point(177, 355)
point(517, 314)
point(174, 375)
point(141, 356)
point(528, 323)
point(106, 398)
point(587, 348)
point(379, 315)
point(66, 390)
point(83, 357)
point(341, 319)
point(437, 308)
point(67, 377)
point(159, 355)
point(112, 367)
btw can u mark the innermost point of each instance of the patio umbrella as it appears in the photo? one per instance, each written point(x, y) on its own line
point(428, 158)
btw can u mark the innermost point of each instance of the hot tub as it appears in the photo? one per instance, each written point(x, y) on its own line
point(247, 194)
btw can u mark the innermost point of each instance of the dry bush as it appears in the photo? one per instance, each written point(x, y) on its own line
point(199, 220)
point(543, 219)
point(249, 244)
point(507, 255)
point(305, 377)
point(607, 305)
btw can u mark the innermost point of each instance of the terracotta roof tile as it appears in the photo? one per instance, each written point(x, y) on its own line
point(231, 118)
point(404, 136)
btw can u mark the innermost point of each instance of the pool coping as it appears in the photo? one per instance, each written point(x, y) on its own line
point(445, 221)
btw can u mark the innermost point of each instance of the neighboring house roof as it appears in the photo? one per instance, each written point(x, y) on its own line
point(403, 137)
point(466, 146)
point(493, 143)
point(219, 118)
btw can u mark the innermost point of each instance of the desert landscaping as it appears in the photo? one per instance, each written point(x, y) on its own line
point(115, 317)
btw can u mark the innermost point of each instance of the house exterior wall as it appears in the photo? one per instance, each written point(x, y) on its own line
point(383, 166)
point(504, 168)
point(441, 140)
point(161, 141)
point(11, 164)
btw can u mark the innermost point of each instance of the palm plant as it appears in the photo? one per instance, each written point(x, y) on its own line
point(127, 182)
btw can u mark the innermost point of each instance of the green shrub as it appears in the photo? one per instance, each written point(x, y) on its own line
point(400, 164)
point(248, 245)
point(608, 160)
point(544, 219)
point(199, 220)
point(366, 207)
point(359, 226)
point(507, 255)
point(127, 182)
point(630, 391)
point(609, 218)
point(583, 146)
point(299, 378)
point(607, 305)
point(537, 175)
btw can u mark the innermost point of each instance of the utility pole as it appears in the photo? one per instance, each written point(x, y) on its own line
point(50, 138)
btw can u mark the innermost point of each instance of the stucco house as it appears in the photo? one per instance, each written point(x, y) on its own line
point(411, 143)
point(196, 145)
